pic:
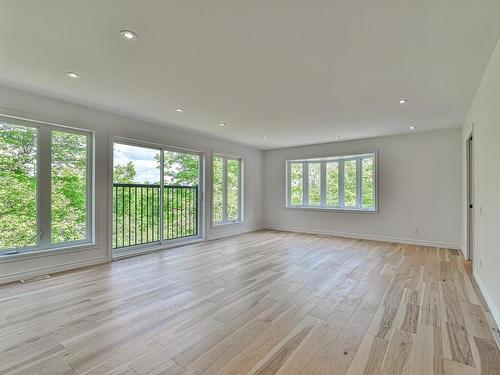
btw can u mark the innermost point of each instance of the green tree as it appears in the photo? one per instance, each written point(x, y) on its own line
point(18, 185)
point(181, 168)
point(124, 174)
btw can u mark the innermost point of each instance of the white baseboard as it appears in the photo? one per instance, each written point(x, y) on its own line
point(489, 300)
point(54, 269)
point(246, 230)
point(408, 241)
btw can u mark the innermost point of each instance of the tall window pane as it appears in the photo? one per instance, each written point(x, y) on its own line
point(332, 184)
point(296, 184)
point(368, 200)
point(350, 183)
point(314, 184)
point(233, 183)
point(180, 194)
point(18, 186)
point(69, 182)
point(136, 195)
point(218, 189)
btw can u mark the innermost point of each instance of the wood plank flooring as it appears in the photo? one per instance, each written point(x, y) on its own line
point(266, 302)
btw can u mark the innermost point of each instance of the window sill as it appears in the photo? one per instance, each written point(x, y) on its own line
point(47, 252)
point(339, 210)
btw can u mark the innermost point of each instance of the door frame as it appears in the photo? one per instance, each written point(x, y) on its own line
point(161, 244)
point(470, 217)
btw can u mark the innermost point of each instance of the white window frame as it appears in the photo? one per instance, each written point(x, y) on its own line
point(225, 220)
point(44, 188)
point(323, 161)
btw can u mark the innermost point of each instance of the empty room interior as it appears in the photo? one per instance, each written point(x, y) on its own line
point(249, 187)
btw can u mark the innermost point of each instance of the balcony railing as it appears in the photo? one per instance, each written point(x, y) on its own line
point(137, 219)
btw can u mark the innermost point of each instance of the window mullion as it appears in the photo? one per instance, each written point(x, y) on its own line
point(358, 183)
point(44, 186)
point(323, 183)
point(224, 190)
point(305, 184)
point(341, 184)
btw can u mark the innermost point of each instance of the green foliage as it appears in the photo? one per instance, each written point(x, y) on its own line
point(233, 175)
point(17, 186)
point(181, 168)
point(368, 188)
point(350, 183)
point(332, 184)
point(296, 188)
point(314, 184)
point(69, 187)
point(218, 188)
point(124, 174)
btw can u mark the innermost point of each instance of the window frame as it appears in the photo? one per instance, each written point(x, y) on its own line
point(323, 161)
point(44, 189)
point(225, 221)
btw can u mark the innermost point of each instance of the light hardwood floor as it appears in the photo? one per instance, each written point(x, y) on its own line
point(261, 303)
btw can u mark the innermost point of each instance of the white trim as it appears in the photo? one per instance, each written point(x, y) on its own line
point(371, 237)
point(487, 297)
point(54, 269)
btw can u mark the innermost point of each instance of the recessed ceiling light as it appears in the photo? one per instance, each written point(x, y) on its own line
point(337, 137)
point(222, 124)
point(72, 75)
point(264, 137)
point(128, 35)
point(411, 127)
point(179, 109)
point(403, 101)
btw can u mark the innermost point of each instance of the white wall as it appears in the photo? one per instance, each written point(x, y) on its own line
point(485, 114)
point(106, 126)
point(419, 186)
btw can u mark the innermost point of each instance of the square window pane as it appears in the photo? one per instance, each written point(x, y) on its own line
point(368, 198)
point(296, 184)
point(18, 186)
point(233, 189)
point(314, 181)
point(332, 184)
point(350, 183)
point(218, 189)
point(69, 181)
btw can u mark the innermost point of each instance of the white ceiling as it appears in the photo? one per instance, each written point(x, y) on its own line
point(284, 69)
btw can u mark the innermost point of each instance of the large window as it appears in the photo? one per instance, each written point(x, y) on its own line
point(45, 186)
point(226, 190)
point(346, 183)
point(155, 195)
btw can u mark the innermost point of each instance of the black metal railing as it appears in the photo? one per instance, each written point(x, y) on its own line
point(136, 213)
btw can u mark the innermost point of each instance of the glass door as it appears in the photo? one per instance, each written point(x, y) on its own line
point(156, 196)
